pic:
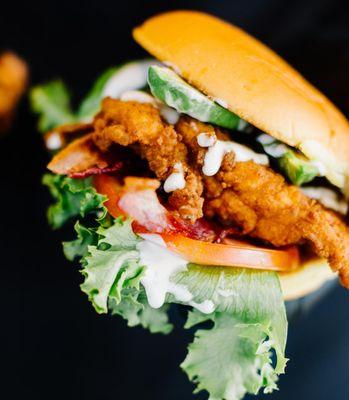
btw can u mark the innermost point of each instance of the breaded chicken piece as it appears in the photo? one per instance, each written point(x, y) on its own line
point(259, 203)
point(13, 80)
point(264, 206)
point(141, 126)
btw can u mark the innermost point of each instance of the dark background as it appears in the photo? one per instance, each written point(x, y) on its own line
point(54, 344)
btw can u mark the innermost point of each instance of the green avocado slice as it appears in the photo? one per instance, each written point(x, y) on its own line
point(172, 90)
point(295, 166)
point(297, 169)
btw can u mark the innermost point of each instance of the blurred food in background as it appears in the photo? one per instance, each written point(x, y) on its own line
point(13, 82)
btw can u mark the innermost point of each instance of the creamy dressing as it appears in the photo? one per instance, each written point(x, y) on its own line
point(129, 77)
point(206, 140)
point(215, 154)
point(169, 114)
point(139, 96)
point(276, 150)
point(319, 166)
point(162, 264)
point(272, 148)
point(265, 139)
point(53, 141)
point(325, 161)
point(206, 307)
point(175, 180)
point(327, 198)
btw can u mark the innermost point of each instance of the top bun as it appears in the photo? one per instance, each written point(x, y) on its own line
point(249, 79)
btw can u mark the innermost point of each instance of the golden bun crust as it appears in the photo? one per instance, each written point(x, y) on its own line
point(247, 77)
point(312, 276)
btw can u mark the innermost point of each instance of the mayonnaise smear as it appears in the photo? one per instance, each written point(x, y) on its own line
point(206, 140)
point(219, 148)
point(162, 264)
point(176, 180)
point(139, 96)
point(54, 141)
point(131, 76)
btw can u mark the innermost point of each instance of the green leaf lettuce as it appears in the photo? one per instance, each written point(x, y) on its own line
point(232, 358)
point(52, 103)
point(74, 197)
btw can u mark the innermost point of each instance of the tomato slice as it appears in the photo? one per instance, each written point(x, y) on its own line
point(137, 198)
point(237, 254)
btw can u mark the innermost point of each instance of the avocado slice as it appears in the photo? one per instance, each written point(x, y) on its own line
point(297, 168)
point(294, 165)
point(172, 90)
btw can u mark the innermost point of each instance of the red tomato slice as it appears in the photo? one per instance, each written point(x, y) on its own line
point(137, 198)
point(238, 254)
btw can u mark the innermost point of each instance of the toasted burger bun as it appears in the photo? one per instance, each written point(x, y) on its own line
point(252, 81)
point(310, 277)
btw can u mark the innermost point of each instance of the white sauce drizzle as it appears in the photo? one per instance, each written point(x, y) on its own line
point(215, 154)
point(327, 198)
point(139, 96)
point(206, 140)
point(272, 147)
point(320, 167)
point(54, 142)
point(276, 150)
point(130, 76)
point(206, 307)
point(175, 180)
point(169, 114)
point(161, 264)
point(265, 139)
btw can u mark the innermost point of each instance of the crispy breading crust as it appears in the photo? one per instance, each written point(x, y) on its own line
point(259, 202)
point(140, 125)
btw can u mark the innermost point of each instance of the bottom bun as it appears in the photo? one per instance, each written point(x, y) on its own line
point(313, 274)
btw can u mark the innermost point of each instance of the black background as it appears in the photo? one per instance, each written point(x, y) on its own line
point(54, 345)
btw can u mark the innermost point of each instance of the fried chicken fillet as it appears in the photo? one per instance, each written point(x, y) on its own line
point(13, 80)
point(250, 198)
point(141, 126)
